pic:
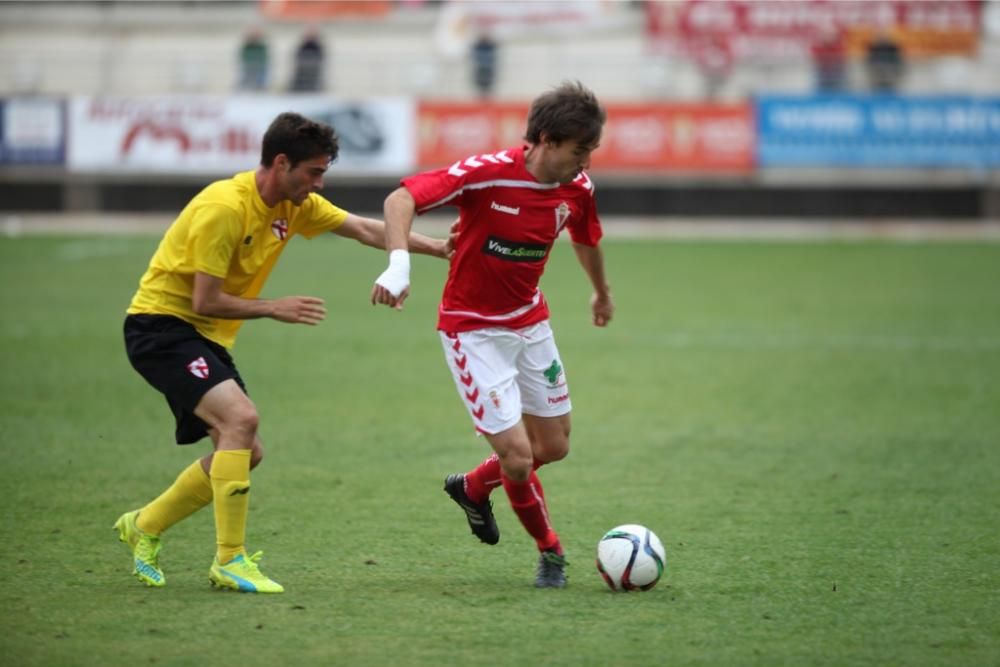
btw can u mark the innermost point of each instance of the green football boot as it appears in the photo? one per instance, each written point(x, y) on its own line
point(145, 550)
point(242, 574)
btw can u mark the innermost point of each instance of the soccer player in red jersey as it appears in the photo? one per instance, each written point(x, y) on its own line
point(493, 320)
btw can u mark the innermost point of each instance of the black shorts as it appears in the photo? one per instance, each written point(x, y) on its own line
point(181, 364)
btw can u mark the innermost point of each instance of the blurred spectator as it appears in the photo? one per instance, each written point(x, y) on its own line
point(714, 57)
point(253, 62)
point(309, 57)
point(830, 62)
point(885, 64)
point(484, 65)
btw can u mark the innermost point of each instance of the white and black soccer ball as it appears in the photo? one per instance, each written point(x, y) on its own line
point(631, 558)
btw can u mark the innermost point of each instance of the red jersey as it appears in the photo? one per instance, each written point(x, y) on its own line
point(508, 223)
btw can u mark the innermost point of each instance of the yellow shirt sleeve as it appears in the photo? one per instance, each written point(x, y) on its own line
point(320, 216)
point(214, 235)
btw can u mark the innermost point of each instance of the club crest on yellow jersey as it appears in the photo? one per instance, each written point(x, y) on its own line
point(280, 229)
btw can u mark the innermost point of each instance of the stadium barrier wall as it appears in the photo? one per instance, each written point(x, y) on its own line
point(843, 156)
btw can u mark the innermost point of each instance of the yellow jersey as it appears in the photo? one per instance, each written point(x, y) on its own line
point(226, 231)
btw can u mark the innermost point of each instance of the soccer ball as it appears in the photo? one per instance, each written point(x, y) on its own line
point(630, 558)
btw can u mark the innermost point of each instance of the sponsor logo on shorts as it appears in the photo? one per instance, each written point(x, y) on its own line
point(280, 229)
point(553, 373)
point(555, 400)
point(513, 251)
point(198, 368)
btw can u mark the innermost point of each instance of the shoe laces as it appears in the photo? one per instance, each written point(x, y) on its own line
point(249, 563)
point(551, 561)
point(554, 556)
point(551, 570)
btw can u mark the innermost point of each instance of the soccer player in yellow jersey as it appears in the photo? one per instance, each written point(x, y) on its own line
point(201, 284)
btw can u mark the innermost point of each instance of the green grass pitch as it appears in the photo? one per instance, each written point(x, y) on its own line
point(812, 429)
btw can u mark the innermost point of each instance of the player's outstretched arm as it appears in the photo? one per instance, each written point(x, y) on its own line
point(208, 299)
point(371, 232)
point(393, 286)
point(591, 258)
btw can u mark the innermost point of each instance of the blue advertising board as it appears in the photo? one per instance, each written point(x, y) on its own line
point(32, 131)
point(878, 131)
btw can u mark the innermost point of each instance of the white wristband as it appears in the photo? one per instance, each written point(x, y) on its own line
point(397, 277)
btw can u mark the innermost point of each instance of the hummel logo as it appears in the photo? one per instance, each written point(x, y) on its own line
point(505, 209)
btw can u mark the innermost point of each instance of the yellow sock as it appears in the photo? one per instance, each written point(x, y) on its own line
point(191, 491)
point(230, 475)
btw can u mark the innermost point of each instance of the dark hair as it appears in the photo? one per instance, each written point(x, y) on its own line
point(569, 112)
point(299, 138)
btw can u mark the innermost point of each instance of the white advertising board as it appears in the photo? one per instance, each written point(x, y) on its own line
point(32, 130)
point(222, 135)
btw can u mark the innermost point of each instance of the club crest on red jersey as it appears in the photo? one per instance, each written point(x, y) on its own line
point(562, 216)
point(280, 229)
point(199, 368)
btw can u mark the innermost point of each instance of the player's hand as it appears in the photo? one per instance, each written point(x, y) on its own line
point(449, 245)
point(299, 310)
point(603, 309)
point(382, 295)
point(393, 286)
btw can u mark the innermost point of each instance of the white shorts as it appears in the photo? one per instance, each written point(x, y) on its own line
point(501, 373)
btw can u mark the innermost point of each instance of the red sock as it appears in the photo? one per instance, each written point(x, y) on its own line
point(528, 502)
point(534, 479)
point(481, 480)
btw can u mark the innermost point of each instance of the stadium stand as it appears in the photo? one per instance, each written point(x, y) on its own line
point(183, 47)
point(186, 47)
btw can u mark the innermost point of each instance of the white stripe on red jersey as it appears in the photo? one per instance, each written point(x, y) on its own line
point(489, 184)
point(495, 319)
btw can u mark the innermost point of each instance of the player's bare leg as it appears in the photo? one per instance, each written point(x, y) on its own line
point(549, 437)
point(256, 452)
point(549, 443)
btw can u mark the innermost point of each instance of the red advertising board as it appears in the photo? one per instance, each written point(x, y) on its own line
point(681, 137)
point(322, 9)
point(637, 137)
point(778, 28)
point(447, 131)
